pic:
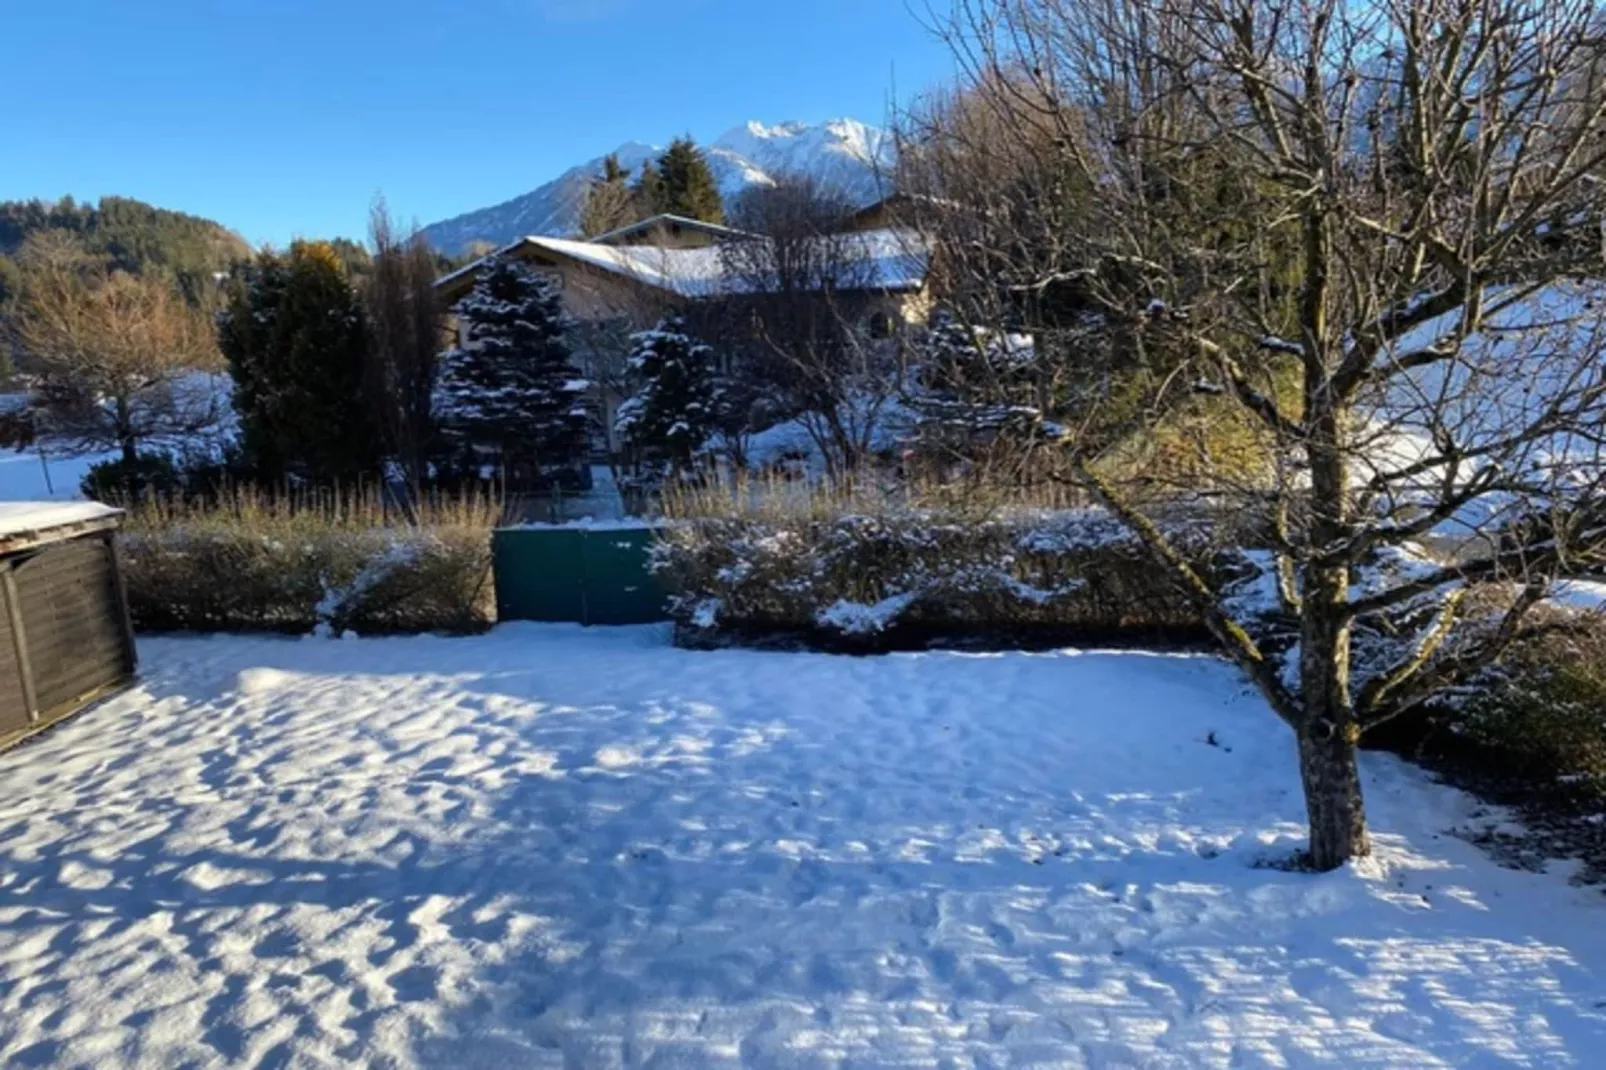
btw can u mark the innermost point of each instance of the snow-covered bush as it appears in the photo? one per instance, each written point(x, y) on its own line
point(324, 570)
point(867, 576)
point(1534, 720)
point(113, 480)
point(974, 387)
point(1542, 709)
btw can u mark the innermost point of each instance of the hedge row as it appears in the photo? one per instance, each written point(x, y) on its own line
point(876, 580)
point(377, 581)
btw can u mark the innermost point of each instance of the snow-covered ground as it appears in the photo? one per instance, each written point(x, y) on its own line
point(1521, 395)
point(1580, 594)
point(555, 848)
point(28, 476)
point(51, 471)
point(791, 440)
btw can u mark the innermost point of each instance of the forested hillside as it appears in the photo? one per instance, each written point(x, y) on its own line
point(137, 237)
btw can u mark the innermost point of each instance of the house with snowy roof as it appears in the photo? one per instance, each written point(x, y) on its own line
point(633, 274)
point(874, 279)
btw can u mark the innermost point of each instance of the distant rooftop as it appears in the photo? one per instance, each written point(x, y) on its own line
point(879, 260)
point(666, 220)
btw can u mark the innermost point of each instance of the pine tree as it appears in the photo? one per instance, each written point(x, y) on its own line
point(648, 191)
point(688, 185)
point(513, 399)
point(610, 202)
point(294, 338)
point(672, 413)
point(10, 283)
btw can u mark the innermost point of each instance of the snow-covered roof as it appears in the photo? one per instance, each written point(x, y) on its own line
point(26, 523)
point(891, 259)
point(892, 200)
point(668, 219)
point(469, 270)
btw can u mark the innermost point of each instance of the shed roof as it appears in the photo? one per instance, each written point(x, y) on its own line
point(27, 524)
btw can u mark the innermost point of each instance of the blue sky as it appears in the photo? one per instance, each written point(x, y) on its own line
point(282, 118)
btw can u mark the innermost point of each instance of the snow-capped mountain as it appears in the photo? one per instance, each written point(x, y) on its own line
point(842, 153)
point(847, 154)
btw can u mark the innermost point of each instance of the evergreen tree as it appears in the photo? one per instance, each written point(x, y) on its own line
point(673, 412)
point(355, 259)
point(294, 337)
point(688, 186)
point(513, 399)
point(10, 284)
point(610, 202)
point(648, 191)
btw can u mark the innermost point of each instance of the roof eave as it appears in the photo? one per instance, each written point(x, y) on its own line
point(668, 219)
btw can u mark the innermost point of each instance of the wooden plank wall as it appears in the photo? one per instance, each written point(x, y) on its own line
point(64, 633)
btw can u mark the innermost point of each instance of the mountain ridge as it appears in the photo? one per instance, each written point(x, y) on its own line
point(844, 153)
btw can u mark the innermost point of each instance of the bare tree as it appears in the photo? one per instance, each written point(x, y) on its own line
point(798, 289)
point(1361, 226)
point(405, 325)
point(610, 202)
point(113, 358)
point(1017, 345)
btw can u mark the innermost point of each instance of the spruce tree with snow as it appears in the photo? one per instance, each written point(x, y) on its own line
point(672, 413)
point(513, 400)
point(974, 386)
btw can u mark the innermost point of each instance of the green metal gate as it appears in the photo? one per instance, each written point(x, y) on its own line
point(577, 575)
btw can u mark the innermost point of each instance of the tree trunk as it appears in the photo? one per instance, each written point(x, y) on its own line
point(127, 440)
point(131, 487)
point(1329, 732)
point(1332, 797)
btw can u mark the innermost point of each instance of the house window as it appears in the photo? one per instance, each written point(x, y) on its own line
point(882, 325)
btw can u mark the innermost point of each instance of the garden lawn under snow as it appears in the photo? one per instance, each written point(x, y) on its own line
point(29, 476)
point(556, 848)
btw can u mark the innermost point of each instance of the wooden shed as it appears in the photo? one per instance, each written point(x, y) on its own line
point(65, 637)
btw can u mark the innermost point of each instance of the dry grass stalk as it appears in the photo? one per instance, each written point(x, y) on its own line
point(258, 560)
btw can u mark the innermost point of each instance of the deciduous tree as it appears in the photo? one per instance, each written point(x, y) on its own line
point(116, 361)
point(796, 282)
point(611, 203)
point(405, 335)
point(1425, 365)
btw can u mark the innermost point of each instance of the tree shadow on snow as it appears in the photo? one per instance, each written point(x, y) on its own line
point(686, 885)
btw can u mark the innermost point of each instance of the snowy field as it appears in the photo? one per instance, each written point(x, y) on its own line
point(553, 848)
point(55, 476)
